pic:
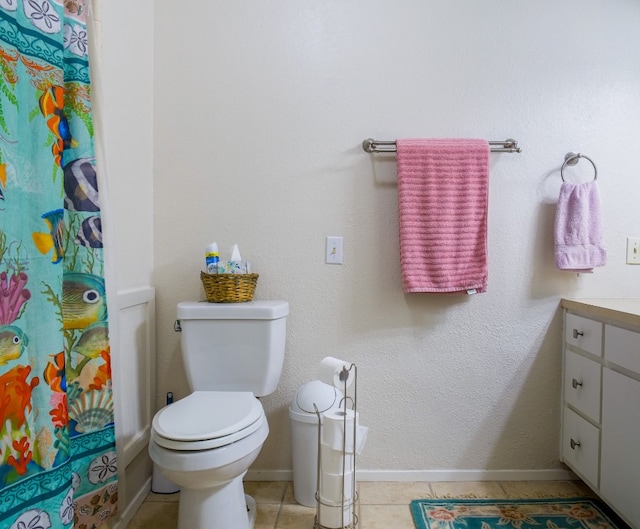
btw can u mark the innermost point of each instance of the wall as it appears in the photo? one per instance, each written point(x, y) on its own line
point(260, 109)
point(122, 62)
point(127, 85)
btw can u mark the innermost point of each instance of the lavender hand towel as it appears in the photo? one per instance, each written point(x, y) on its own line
point(578, 228)
point(442, 206)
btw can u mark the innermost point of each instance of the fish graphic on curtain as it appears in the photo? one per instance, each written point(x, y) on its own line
point(57, 440)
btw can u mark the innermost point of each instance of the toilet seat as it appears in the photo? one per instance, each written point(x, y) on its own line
point(207, 419)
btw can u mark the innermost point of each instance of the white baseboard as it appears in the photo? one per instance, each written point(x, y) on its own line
point(465, 475)
point(269, 475)
point(124, 517)
point(431, 475)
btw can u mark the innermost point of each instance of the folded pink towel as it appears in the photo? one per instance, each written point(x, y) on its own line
point(442, 205)
point(578, 228)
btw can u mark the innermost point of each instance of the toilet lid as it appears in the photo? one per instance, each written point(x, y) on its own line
point(205, 415)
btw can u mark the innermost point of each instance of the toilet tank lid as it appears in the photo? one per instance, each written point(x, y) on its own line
point(250, 310)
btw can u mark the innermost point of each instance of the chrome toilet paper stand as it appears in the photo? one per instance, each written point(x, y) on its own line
point(347, 504)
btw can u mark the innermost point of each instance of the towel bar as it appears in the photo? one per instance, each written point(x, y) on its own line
point(371, 145)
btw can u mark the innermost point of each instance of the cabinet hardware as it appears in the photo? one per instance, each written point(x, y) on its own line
point(575, 383)
point(577, 333)
point(574, 444)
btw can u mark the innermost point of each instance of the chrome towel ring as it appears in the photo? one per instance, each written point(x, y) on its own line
point(572, 158)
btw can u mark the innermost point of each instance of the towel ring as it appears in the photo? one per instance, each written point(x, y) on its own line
point(572, 158)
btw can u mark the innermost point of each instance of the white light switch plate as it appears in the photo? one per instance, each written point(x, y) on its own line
point(633, 250)
point(333, 250)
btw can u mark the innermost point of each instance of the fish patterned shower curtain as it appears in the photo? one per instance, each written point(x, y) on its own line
point(57, 441)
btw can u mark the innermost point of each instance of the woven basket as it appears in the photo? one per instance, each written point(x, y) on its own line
point(229, 288)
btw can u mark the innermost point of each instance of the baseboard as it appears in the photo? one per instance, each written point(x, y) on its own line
point(269, 475)
point(431, 475)
point(465, 475)
point(124, 517)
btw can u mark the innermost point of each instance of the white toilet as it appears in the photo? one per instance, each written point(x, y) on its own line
point(232, 353)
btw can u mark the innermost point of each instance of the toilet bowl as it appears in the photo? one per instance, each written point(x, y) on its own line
point(205, 443)
point(232, 354)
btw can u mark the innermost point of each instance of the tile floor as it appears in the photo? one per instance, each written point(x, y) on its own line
point(382, 504)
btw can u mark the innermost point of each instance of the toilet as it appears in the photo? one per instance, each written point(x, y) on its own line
point(205, 442)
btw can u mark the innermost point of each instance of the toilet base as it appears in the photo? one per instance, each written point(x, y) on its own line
point(251, 510)
point(220, 507)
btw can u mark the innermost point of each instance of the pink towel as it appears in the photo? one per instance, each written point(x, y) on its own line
point(578, 228)
point(442, 205)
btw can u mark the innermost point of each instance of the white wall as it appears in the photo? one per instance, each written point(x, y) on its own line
point(127, 85)
point(260, 109)
point(122, 70)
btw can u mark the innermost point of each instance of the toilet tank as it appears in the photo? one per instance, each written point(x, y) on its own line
point(233, 346)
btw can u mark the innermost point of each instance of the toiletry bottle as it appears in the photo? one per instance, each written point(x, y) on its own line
point(212, 256)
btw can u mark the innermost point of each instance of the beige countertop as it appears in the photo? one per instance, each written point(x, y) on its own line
point(623, 310)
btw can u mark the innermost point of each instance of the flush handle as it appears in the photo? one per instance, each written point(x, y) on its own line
point(574, 444)
point(577, 333)
point(575, 383)
point(176, 326)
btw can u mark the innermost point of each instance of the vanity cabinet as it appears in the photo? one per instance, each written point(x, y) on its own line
point(620, 453)
point(600, 439)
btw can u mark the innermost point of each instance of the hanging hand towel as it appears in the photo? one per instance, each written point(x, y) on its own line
point(578, 228)
point(442, 206)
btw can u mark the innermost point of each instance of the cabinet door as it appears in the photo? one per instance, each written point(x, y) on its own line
point(620, 456)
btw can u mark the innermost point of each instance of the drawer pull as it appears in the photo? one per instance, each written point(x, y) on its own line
point(577, 333)
point(574, 444)
point(575, 383)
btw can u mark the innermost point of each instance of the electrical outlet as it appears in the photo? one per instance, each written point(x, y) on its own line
point(333, 250)
point(633, 250)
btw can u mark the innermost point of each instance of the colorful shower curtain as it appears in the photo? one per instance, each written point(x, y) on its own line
point(57, 442)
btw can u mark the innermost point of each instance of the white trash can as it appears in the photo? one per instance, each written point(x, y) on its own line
point(160, 484)
point(304, 436)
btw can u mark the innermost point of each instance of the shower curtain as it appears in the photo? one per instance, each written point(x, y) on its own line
point(57, 441)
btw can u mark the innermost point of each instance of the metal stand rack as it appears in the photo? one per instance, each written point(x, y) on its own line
point(347, 507)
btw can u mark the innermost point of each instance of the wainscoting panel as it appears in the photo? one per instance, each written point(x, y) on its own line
point(135, 395)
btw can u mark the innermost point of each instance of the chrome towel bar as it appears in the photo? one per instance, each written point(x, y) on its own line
point(371, 145)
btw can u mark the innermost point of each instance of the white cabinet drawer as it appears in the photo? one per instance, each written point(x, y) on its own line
point(580, 446)
point(582, 384)
point(622, 347)
point(583, 333)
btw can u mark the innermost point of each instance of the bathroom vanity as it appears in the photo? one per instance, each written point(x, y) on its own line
point(600, 438)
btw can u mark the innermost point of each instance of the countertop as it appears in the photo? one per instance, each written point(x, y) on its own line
point(623, 310)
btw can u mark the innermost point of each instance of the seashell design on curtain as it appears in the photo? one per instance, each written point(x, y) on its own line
point(57, 440)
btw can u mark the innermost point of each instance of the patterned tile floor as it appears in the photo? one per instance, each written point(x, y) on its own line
point(382, 504)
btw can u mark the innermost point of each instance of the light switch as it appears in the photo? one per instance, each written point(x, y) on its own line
point(633, 250)
point(333, 250)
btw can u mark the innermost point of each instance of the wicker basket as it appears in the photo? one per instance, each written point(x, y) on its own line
point(229, 288)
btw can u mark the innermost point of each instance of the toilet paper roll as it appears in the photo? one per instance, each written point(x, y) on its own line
point(331, 486)
point(337, 431)
point(335, 516)
point(333, 372)
point(333, 461)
